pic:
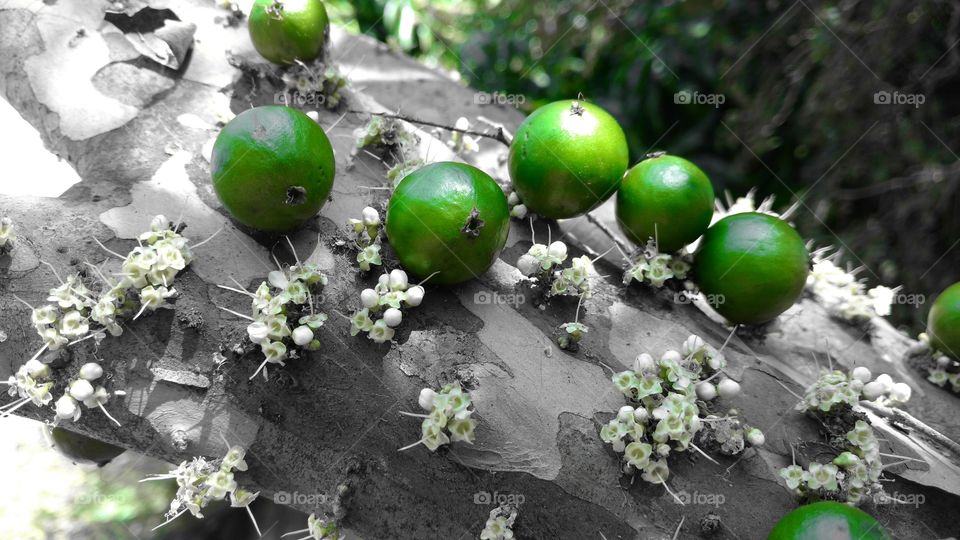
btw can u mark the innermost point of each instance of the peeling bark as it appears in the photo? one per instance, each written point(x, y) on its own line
point(327, 424)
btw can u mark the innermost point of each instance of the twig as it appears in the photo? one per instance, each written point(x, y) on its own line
point(499, 136)
point(624, 249)
point(904, 418)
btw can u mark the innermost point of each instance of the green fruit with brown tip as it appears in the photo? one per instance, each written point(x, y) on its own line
point(667, 198)
point(272, 168)
point(828, 520)
point(943, 322)
point(449, 219)
point(82, 449)
point(753, 265)
point(567, 158)
point(285, 31)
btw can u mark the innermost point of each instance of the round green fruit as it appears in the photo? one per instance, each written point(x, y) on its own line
point(272, 168)
point(943, 322)
point(284, 31)
point(82, 449)
point(753, 265)
point(567, 158)
point(449, 218)
point(828, 520)
point(667, 198)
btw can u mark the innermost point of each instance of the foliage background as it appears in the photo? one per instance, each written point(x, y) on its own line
point(798, 119)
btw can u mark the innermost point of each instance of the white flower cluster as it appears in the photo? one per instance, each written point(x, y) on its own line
point(852, 475)
point(499, 525)
point(946, 370)
point(386, 301)
point(82, 390)
point(544, 264)
point(664, 415)
point(147, 274)
point(460, 142)
point(846, 297)
point(835, 389)
point(200, 481)
point(319, 529)
point(517, 208)
point(448, 419)
point(6, 234)
point(285, 315)
point(31, 384)
point(316, 84)
point(656, 268)
point(367, 238)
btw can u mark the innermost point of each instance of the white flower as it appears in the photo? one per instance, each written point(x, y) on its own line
point(73, 324)
point(380, 332)
point(900, 392)
point(643, 363)
point(80, 390)
point(528, 264)
point(278, 279)
point(519, 211)
point(427, 396)
point(398, 280)
point(257, 331)
point(370, 217)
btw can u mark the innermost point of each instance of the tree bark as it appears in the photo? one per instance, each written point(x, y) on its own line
point(326, 427)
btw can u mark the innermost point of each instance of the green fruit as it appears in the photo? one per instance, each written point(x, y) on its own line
point(943, 322)
point(284, 31)
point(753, 265)
point(567, 158)
point(82, 449)
point(828, 520)
point(666, 197)
point(272, 168)
point(450, 218)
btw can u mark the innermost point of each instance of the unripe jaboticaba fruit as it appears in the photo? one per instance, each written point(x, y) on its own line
point(283, 31)
point(754, 265)
point(667, 198)
point(272, 168)
point(828, 520)
point(943, 322)
point(450, 218)
point(82, 449)
point(567, 158)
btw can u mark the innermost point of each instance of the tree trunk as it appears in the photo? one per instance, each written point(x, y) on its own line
point(326, 427)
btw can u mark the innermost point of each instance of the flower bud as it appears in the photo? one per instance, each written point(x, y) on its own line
point(624, 414)
point(755, 437)
point(370, 216)
point(66, 408)
point(302, 335)
point(426, 399)
point(37, 369)
point(257, 331)
point(80, 390)
point(392, 317)
point(91, 371)
point(641, 415)
point(862, 374)
point(557, 249)
point(513, 199)
point(398, 280)
point(886, 381)
point(872, 390)
point(414, 296)
point(728, 388)
point(528, 264)
point(643, 363)
point(369, 298)
point(900, 392)
point(706, 391)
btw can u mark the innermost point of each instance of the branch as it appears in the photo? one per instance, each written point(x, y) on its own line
point(501, 134)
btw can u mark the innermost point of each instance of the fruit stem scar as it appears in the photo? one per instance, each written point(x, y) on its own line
point(658, 153)
point(473, 225)
point(296, 195)
point(576, 108)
